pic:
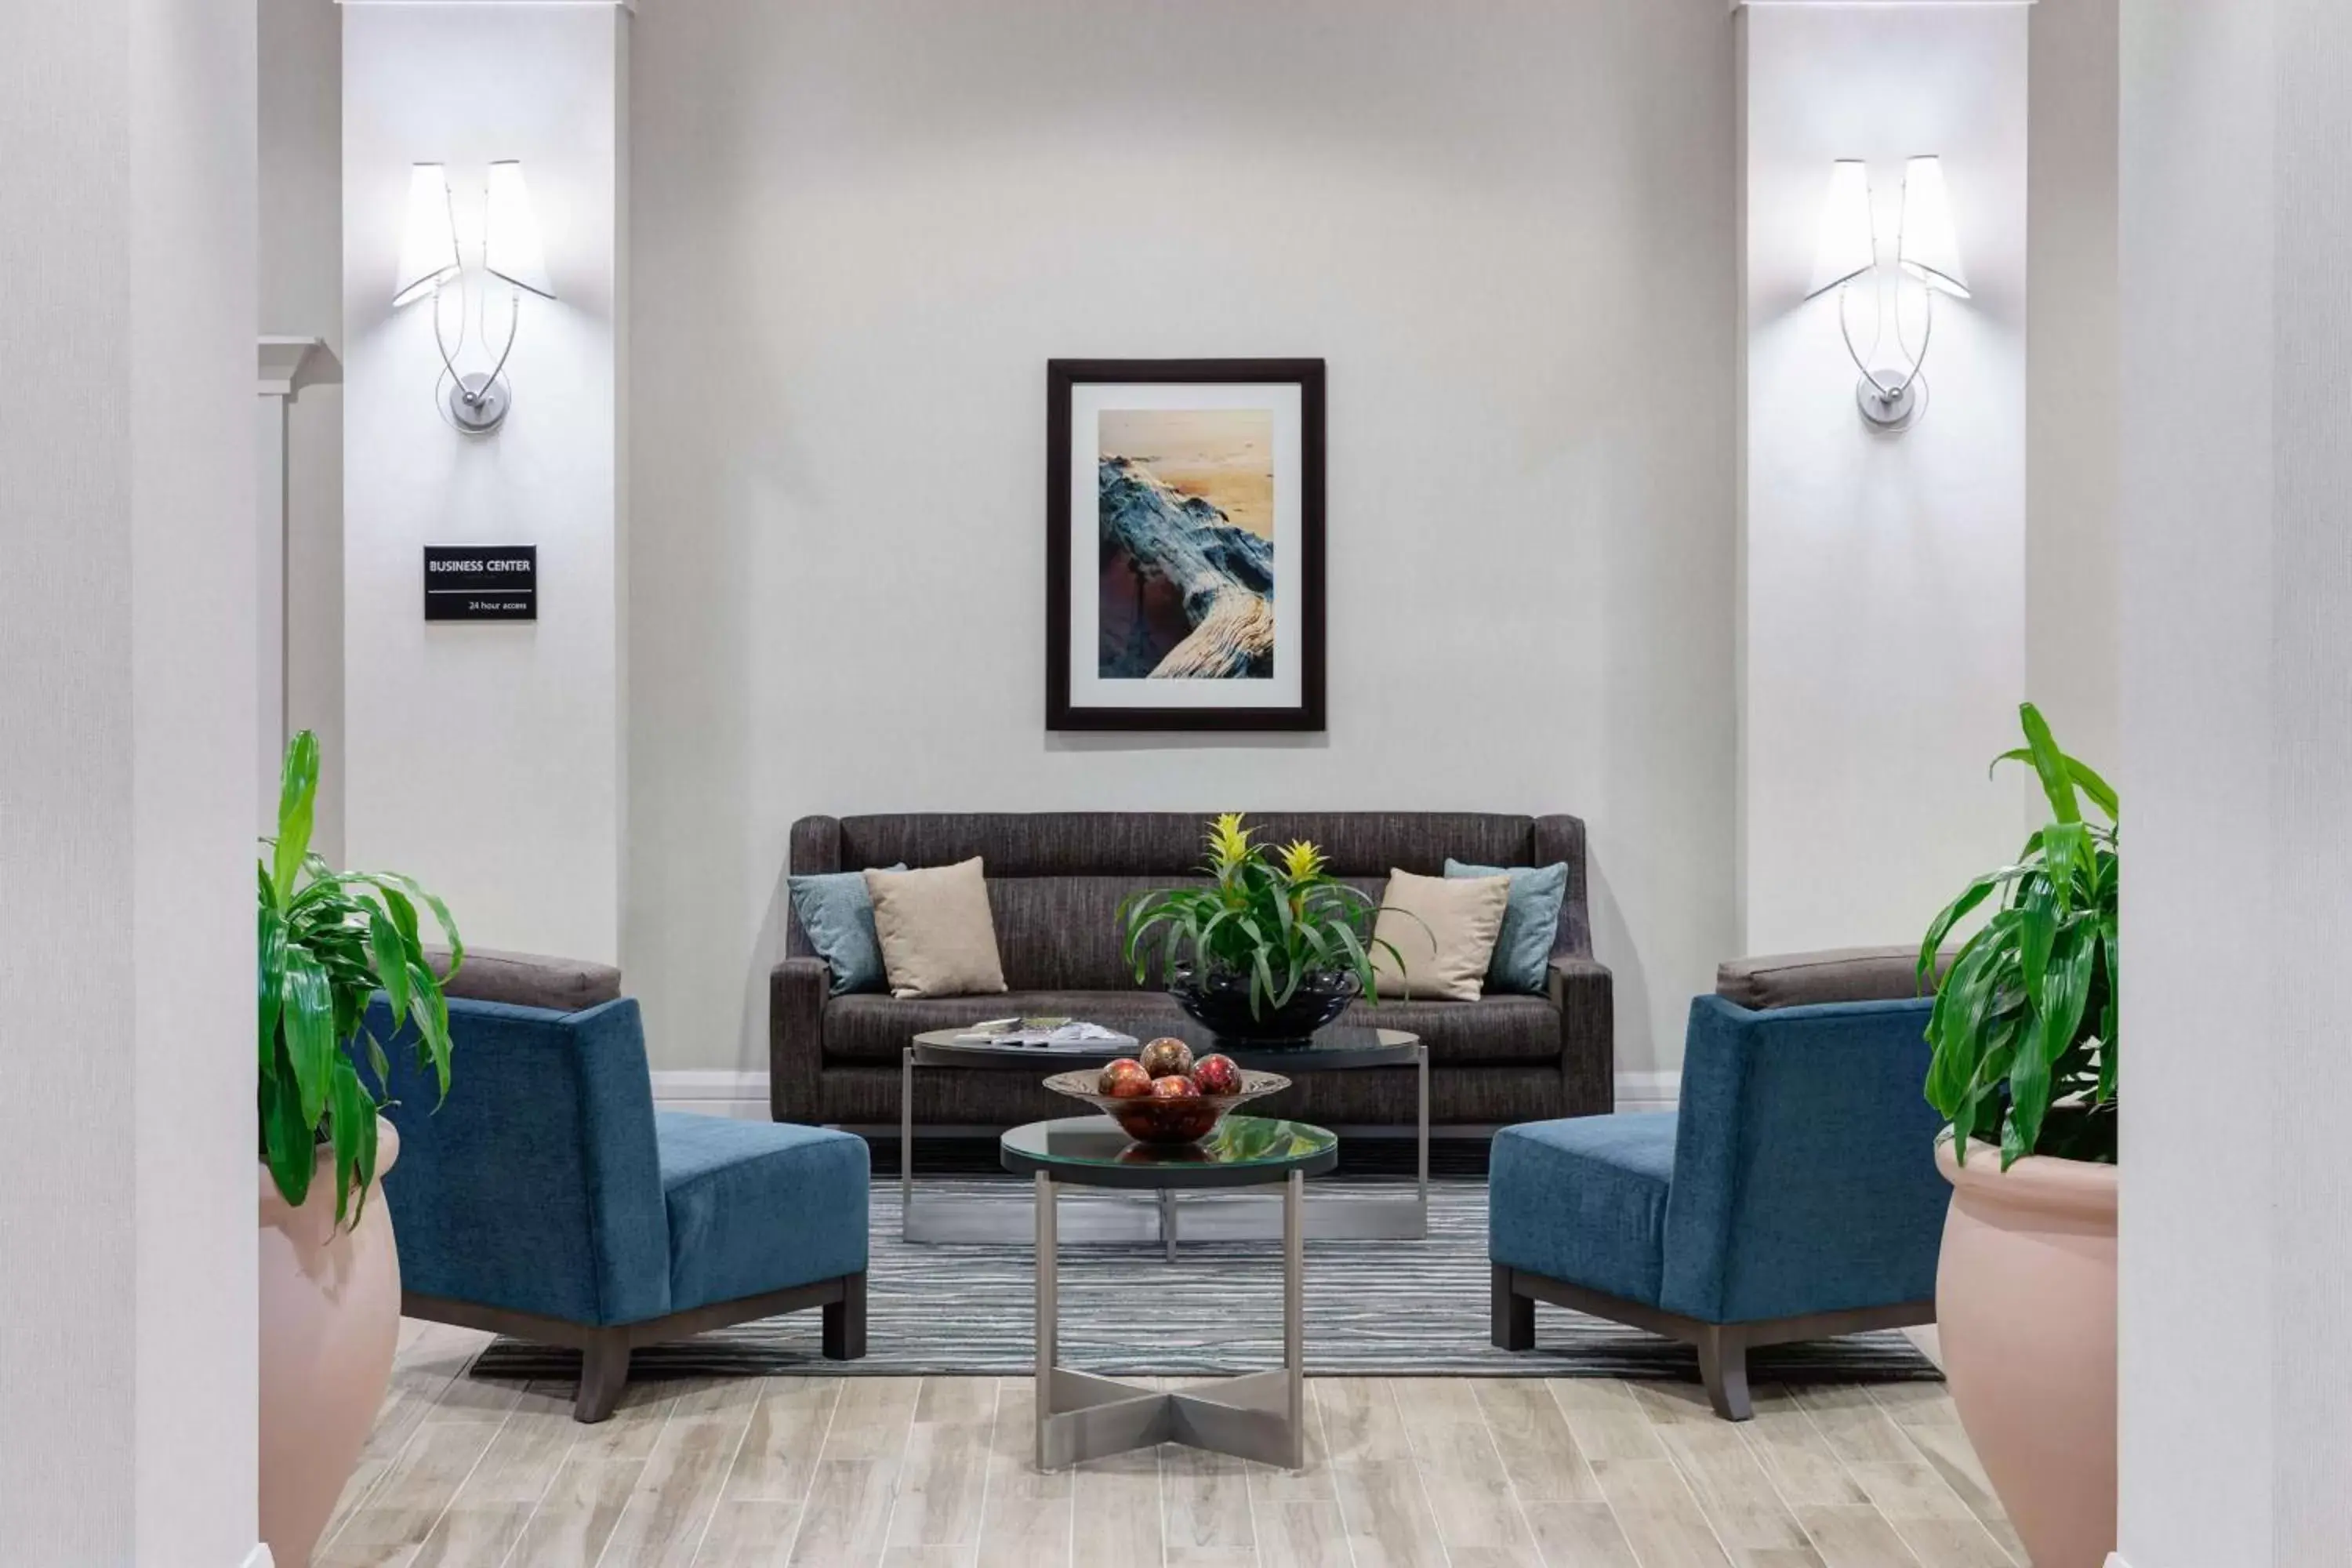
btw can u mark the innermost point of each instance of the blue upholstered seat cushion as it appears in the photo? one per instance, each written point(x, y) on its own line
point(837, 915)
point(1584, 1200)
point(1531, 922)
point(757, 1207)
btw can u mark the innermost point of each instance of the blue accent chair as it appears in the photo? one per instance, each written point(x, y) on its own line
point(548, 1199)
point(1793, 1196)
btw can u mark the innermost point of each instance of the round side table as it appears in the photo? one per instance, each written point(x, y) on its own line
point(1258, 1415)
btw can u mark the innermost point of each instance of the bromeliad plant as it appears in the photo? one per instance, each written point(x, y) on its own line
point(1275, 926)
point(2024, 1029)
point(328, 940)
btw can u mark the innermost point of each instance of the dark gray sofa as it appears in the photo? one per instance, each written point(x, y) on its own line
point(1054, 883)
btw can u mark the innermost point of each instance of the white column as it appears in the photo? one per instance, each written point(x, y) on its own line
point(287, 365)
point(485, 758)
point(2237, 627)
point(126, 737)
point(1882, 591)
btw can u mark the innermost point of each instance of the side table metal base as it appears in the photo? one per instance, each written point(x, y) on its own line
point(1248, 1418)
point(1259, 1416)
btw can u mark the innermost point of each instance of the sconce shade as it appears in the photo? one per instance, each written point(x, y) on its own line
point(428, 245)
point(512, 248)
point(1929, 250)
point(1848, 247)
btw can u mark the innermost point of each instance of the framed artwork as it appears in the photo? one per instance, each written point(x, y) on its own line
point(1184, 544)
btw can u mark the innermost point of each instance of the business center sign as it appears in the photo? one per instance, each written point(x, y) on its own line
point(481, 582)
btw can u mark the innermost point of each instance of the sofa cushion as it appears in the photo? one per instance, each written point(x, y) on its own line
point(1809, 979)
point(1436, 935)
point(757, 1207)
point(527, 979)
point(836, 915)
point(1531, 922)
point(1164, 845)
point(1494, 1031)
point(1584, 1200)
point(938, 936)
point(1063, 933)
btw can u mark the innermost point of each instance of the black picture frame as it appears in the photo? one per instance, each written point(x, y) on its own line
point(1063, 376)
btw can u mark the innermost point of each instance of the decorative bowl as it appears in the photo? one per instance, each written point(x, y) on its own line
point(1221, 1004)
point(1165, 1122)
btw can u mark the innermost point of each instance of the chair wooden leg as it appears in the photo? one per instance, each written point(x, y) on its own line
point(844, 1320)
point(1722, 1367)
point(1511, 1316)
point(603, 1373)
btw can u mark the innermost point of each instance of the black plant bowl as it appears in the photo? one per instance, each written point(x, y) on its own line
point(1219, 1004)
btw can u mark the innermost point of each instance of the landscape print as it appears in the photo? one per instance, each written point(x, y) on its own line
point(1185, 504)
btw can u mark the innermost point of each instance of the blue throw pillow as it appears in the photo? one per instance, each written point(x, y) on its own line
point(1523, 948)
point(839, 920)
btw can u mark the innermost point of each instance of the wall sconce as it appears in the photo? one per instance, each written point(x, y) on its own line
point(476, 401)
point(1927, 250)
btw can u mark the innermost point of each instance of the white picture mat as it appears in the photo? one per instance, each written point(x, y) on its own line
point(1088, 689)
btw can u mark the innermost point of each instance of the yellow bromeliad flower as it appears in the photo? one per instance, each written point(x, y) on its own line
point(1301, 860)
point(1229, 843)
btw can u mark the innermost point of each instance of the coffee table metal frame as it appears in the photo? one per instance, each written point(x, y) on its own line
point(959, 1218)
point(1257, 1416)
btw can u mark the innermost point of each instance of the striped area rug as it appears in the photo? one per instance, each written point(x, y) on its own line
point(1373, 1308)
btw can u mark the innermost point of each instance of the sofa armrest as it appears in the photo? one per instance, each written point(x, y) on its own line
point(1560, 839)
point(1584, 992)
point(798, 989)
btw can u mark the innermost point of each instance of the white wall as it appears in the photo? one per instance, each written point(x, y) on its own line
point(2237, 628)
point(2073, 385)
point(485, 757)
point(301, 291)
point(860, 231)
point(1883, 601)
point(127, 736)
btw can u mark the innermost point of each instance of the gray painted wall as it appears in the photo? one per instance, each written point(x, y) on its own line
point(860, 231)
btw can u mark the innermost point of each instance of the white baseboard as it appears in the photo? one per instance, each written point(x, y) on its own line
point(1649, 1090)
point(260, 1557)
point(744, 1095)
point(741, 1095)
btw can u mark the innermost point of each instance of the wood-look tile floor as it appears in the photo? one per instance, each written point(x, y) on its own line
point(934, 1472)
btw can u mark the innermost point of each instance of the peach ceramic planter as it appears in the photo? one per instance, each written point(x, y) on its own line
point(330, 1324)
point(2025, 1308)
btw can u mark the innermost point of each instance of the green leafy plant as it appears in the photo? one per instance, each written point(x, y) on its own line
point(2024, 1029)
point(328, 940)
point(1275, 926)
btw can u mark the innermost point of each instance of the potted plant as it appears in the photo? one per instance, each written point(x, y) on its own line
point(329, 1277)
point(1266, 952)
point(2023, 1036)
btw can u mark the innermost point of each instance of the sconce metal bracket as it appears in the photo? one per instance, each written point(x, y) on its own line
point(1891, 410)
point(478, 402)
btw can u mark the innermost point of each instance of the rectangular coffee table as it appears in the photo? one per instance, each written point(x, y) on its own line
point(1241, 1215)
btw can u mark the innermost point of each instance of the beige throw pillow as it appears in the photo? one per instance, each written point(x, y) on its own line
point(1445, 929)
point(937, 938)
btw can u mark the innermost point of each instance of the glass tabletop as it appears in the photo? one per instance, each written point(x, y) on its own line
point(1243, 1150)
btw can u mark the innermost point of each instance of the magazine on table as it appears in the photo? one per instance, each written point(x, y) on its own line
point(1046, 1035)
